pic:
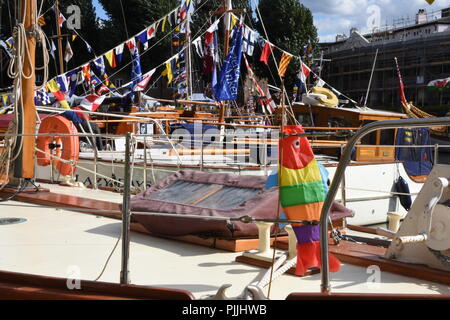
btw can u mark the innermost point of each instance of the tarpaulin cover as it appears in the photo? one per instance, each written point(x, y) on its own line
point(210, 194)
point(417, 161)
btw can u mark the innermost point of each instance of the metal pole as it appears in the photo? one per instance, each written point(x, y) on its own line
point(370, 81)
point(345, 159)
point(124, 273)
point(436, 153)
point(145, 160)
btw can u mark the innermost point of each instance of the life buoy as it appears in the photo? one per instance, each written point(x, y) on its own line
point(330, 101)
point(64, 147)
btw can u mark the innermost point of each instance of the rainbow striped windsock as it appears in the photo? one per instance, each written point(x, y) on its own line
point(303, 188)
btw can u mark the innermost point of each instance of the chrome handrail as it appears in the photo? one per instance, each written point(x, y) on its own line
point(340, 170)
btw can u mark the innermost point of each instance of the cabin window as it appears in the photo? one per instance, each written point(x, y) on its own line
point(305, 120)
point(209, 196)
point(371, 138)
point(387, 137)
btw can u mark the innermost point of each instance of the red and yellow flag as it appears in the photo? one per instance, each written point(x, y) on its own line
point(284, 63)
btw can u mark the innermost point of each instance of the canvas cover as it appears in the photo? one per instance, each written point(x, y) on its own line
point(210, 194)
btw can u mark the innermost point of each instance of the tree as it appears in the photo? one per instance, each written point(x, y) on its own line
point(289, 25)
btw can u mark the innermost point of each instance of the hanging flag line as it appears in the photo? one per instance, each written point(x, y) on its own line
point(287, 54)
point(131, 43)
point(151, 71)
point(132, 39)
point(165, 62)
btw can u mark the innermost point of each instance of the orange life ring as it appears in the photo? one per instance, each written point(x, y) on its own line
point(64, 147)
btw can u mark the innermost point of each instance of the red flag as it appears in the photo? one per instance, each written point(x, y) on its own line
point(208, 58)
point(92, 102)
point(266, 53)
point(401, 85)
point(140, 86)
point(61, 19)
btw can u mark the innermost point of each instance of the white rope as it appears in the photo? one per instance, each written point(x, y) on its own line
point(16, 71)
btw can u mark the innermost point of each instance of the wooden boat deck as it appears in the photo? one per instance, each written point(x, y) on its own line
point(52, 242)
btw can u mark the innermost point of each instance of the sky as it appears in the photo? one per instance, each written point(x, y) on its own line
point(99, 10)
point(333, 17)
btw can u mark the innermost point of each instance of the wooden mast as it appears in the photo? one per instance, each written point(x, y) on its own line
point(24, 167)
point(58, 28)
point(226, 7)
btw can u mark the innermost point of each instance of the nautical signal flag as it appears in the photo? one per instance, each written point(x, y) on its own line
point(92, 102)
point(141, 85)
point(266, 53)
point(53, 88)
point(43, 97)
point(119, 53)
point(304, 72)
point(168, 72)
point(86, 69)
point(131, 44)
point(68, 53)
point(284, 63)
point(151, 32)
point(430, 1)
point(111, 57)
point(99, 64)
point(61, 19)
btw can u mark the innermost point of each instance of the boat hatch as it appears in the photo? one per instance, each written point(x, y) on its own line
point(210, 196)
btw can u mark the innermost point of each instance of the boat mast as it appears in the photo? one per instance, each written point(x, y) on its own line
point(188, 55)
point(24, 165)
point(227, 5)
point(58, 28)
point(370, 81)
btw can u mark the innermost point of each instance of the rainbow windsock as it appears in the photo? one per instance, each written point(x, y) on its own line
point(303, 188)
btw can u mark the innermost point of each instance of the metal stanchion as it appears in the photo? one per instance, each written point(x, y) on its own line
point(124, 273)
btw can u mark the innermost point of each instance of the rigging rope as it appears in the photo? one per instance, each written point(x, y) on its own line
point(12, 149)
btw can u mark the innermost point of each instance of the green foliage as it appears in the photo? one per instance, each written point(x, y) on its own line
point(289, 25)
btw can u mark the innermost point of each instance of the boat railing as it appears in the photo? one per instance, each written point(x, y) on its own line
point(261, 151)
point(339, 175)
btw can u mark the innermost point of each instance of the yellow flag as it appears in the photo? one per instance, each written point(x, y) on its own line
point(164, 24)
point(284, 63)
point(64, 104)
point(234, 20)
point(168, 72)
point(430, 1)
point(111, 57)
point(52, 86)
point(74, 36)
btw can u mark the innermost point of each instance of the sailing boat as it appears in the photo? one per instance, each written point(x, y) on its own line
point(56, 250)
point(249, 150)
point(439, 135)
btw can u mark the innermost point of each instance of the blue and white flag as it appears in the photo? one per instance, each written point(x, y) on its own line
point(72, 76)
point(42, 98)
point(119, 53)
point(5, 46)
point(95, 81)
point(248, 45)
point(227, 87)
point(63, 84)
point(99, 64)
point(53, 49)
point(136, 71)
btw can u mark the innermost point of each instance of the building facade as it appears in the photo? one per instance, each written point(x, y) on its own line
point(423, 53)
